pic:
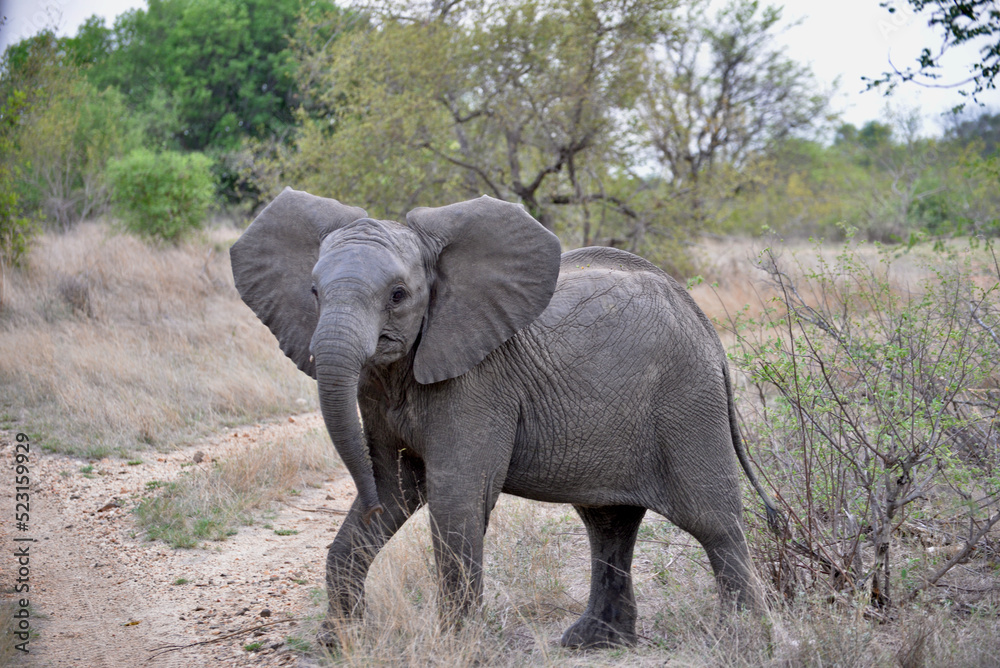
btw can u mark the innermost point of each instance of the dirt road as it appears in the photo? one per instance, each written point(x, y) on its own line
point(103, 595)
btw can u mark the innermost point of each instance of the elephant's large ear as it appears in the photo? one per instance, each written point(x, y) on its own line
point(273, 263)
point(496, 272)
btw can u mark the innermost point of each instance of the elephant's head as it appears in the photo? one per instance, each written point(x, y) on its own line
point(341, 291)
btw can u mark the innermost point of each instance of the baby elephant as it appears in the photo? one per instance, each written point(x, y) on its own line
point(484, 361)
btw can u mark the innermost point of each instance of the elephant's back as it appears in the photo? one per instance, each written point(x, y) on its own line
point(614, 288)
point(604, 257)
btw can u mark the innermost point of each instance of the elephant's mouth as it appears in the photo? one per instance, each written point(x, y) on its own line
point(389, 346)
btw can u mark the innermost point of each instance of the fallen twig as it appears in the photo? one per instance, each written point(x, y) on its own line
point(164, 649)
point(978, 590)
point(321, 509)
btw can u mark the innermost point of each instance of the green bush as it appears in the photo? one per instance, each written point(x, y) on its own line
point(161, 195)
point(875, 414)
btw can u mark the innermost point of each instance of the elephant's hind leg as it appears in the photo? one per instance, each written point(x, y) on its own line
point(611, 612)
point(721, 534)
point(729, 555)
point(700, 494)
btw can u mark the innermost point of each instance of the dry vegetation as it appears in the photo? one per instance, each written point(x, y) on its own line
point(536, 580)
point(108, 344)
point(733, 281)
point(8, 625)
point(210, 504)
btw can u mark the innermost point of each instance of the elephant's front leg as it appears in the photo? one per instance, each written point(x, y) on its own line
point(356, 544)
point(457, 533)
point(460, 501)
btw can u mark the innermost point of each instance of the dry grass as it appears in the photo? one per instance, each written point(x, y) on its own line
point(9, 654)
point(525, 598)
point(536, 583)
point(108, 344)
point(732, 280)
point(209, 504)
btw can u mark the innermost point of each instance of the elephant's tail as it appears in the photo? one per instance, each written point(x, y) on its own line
point(775, 519)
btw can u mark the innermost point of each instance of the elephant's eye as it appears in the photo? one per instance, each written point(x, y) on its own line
point(398, 295)
point(314, 291)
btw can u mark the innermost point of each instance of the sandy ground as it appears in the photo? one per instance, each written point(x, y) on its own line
point(102, 595)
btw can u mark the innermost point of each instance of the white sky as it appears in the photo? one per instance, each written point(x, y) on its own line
point(842, 39)
point(848, 39)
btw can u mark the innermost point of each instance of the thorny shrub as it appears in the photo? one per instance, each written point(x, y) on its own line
point(875, 415)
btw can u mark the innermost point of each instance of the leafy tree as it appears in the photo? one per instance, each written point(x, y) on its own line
point(563, 106)
point(220, 67)
point(983, 128)
point(67, 140)
point(875, 134)
point(800, 187)
point(860, 144)
point(978, 194)
point(518, 100)
point(64, 133)
point(18, 85)
point(22, 64)
point(909, 181)
point(16, 226)
point(962, 22)
point(92, 43)
point(719, 93)
point(886, 180)
point(554, 79)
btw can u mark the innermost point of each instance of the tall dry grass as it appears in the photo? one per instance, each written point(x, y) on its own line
point(536, 570)
point(732, 279)
point(108, 344)
point(525, 597)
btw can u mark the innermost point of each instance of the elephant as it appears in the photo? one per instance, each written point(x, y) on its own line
point(481, 359)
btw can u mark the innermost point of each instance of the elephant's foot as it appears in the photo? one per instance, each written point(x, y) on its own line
point(327, 636)
point(332, 631)
point(592, 632)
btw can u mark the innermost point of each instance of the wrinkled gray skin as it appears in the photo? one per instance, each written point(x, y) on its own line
point(484, 362)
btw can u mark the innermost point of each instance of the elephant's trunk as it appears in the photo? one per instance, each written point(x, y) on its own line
point(341, 347)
